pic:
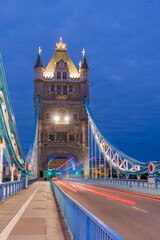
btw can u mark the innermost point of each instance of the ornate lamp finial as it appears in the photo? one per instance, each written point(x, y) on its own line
point(39, 50)
point(60, 44)
point(83, 52)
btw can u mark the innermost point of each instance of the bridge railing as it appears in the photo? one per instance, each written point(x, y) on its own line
point(139, 186)
point(31, 180)
point(82, 224)
point(8, 189)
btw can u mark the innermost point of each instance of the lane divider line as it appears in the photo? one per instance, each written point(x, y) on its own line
point(5, 233)
point(139, 209)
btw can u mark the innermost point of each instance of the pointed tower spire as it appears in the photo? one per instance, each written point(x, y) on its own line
point(39, 60)
point(84, 61)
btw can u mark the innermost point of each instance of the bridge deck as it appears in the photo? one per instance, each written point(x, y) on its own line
point(30, 214)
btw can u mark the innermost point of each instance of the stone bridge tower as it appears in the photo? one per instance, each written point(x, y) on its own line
point(63, 124)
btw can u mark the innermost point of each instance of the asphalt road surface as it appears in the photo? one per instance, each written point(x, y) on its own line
point(132, 216)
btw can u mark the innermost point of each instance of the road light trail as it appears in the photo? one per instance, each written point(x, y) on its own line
point(117, 191)
point(103, 194)
point(65, 185)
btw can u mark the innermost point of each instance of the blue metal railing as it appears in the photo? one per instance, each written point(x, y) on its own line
point(8, 189)
point(138, 186)
point(82, 224)
point(31, 180)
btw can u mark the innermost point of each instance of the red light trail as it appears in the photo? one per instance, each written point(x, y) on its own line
point(64, 185)
point(125, 193)
point(104, 194)
point(79, 163)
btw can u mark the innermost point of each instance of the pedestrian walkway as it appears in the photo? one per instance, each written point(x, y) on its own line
point(31, 214)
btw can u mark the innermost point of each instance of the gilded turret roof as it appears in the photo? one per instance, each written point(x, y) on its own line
point(61, 54)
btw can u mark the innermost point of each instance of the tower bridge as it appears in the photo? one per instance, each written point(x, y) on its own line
point(63, 122)
point(66, 138)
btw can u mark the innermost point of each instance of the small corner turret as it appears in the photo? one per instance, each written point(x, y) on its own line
point(84, 70)
point(38, 68)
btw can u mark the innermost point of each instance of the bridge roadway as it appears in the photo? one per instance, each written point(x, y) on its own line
point(133, 217)
point(30, 214)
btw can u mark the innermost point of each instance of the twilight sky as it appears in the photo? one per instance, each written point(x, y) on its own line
point(122, 42)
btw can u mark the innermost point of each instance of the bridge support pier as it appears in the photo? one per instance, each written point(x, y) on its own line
point(118, 174)
point(12, 169)
point(127, 176)
point(2, 147)
point(139, 177)
point(86, 170)
point(110, 171)
point(105, 168)
point(26, 181)
point(67, 174)
point(19, 175)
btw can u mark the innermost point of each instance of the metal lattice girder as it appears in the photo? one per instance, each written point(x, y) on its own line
point(8, 129)
point(11, 119)
point(31, 158)
point(119, 160)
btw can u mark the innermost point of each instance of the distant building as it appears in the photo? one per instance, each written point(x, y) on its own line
point(63, 124)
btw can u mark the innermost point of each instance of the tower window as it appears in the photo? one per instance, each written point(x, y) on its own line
point(51, 137)
point(64, 75)
point(58, 88)
point(65, 88)
point(75, 116)
point(48, 116)
point(52, 88)
point(61, 137)
point(70, 88)
point(58, 75)
point(77, 137)
point(71, 138)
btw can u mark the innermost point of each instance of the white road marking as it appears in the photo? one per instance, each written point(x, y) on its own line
point(5, 233)
point(139, 209)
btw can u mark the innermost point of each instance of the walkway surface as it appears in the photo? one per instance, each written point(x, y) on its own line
point(30, 214)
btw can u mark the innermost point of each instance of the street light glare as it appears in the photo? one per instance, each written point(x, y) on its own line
point(66, 118)
point(56, 118)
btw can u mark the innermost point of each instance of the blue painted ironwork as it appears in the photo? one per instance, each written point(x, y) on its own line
point(82, 224)
point(8, 128)
point(35, 132)
point(10, 188)
point(12, 123)
point(31, 158)
point(9, 151)
point(117, 159)
point(31, 180)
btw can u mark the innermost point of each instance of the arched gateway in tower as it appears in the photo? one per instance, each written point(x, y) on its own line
point(63, 123)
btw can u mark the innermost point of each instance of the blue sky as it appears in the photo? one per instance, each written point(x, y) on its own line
point(122, 42)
